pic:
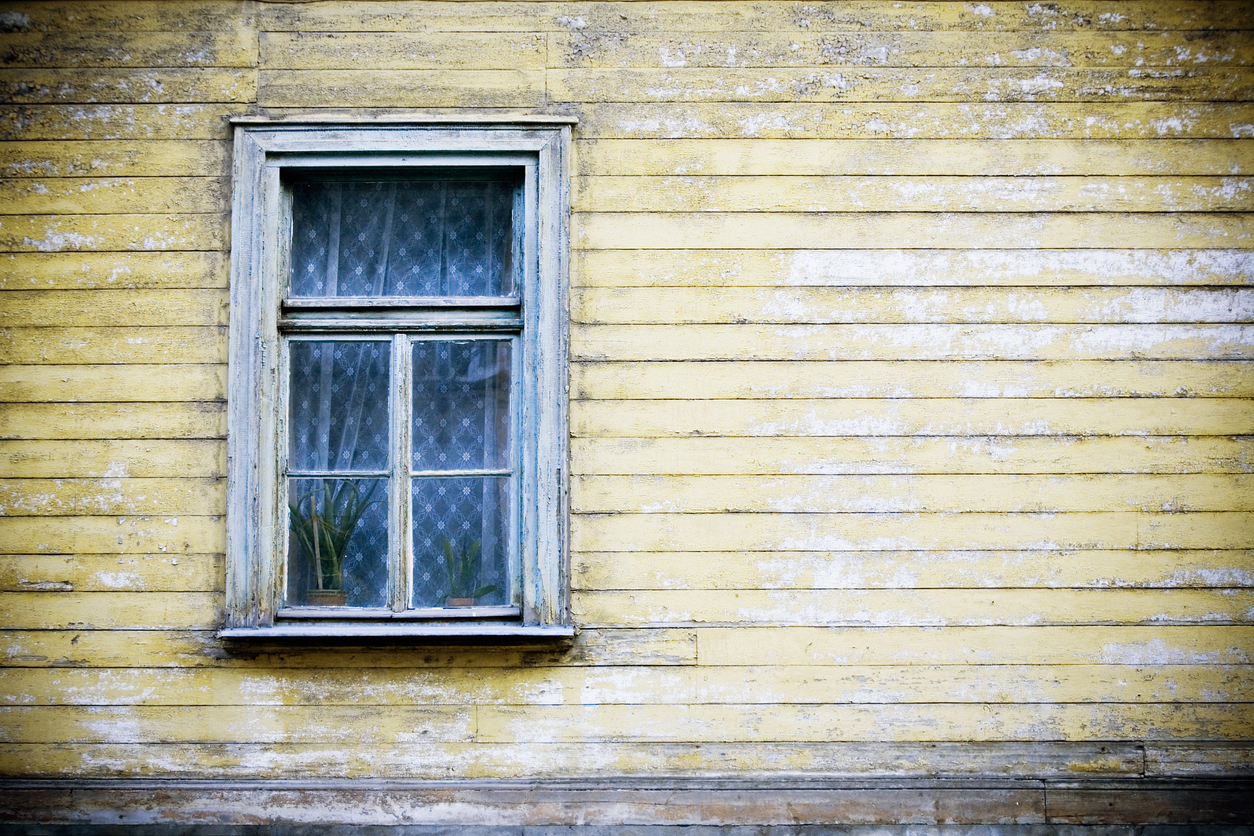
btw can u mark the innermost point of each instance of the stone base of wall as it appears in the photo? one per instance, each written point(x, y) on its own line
point(766, 807)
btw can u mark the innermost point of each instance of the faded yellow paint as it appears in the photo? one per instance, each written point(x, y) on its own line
point(918, 379)
point(892, 569)
point(911, 391)
point(896, 455)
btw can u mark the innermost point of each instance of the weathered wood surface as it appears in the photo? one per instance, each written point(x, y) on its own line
point(891, 569)
point(863, 531)
point(911, 391)
point(825, 264)
point(898, 120)
point(910, 342)
point(913, 379)
point(909, 456)
point(129, 270)
point(43, 384)
point(844, 494)
point(914, 157)
point(826, 306)
point(913, 417)
point(905, 194)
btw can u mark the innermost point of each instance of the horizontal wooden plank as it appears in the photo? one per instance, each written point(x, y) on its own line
point(908, 379)
point(1155, 646)
point(196, 419)
point(133, 16)
point(913, 417)
point(913, 157)
point(671, 17)
point(875, 84)
point(50, 610)
point(901, 48)
point(508, 724)
point(227, 724)
point(42, 384)
point(139, 344)
point(900, 342)
point(817, 723)
point(95, 196)
point(866, 305)
point(402, 88)
point(128, 158)
point(881, 685)
point(871, 455)
point(916, 120)
point(889, 267)
point(232, 46)
point(66, 497)
point(910, 608)
point(116, 649)
point(908, 532)
point(352, 50)
point(560, 760)
point(128, 86)
point(99, 308)
point(867, 494)
point(1216, 758)
point(1053, 569)
point(57, 233)
point(29, 459)
point(119, 535)
point(905, 230)
point(67, 123)
point(111, 572)
point(80, 270)
point(896, 194)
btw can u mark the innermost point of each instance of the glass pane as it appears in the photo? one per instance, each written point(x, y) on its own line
point(461, 541)
point(337, 542)
point(404, 238)
point(461, 405)
point(339, 405)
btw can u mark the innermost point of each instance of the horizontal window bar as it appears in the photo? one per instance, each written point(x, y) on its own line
point(335, 302)
point(398, 325)
point(380, 614)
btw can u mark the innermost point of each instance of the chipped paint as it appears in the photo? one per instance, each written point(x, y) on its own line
point(886, 432)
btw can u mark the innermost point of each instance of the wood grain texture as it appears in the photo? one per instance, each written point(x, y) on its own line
point(910, 390)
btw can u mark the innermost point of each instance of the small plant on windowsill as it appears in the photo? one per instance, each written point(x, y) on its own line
point(463, 567)
point(324, 530)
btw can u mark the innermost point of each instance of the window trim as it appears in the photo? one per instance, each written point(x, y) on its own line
point(262, 150)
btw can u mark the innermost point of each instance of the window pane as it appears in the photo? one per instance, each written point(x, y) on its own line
point(461, 540)
point(339, 405)
point(461, 405)
point(338, 541)
point(404, 238)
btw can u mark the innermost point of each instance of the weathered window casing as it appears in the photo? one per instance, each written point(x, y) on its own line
point(265, 322)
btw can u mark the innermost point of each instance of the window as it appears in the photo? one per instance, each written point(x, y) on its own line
point(397, 402)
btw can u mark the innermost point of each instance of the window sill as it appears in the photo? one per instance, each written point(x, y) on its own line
point(343, 630)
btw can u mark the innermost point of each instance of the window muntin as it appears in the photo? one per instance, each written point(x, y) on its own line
point(522, 319)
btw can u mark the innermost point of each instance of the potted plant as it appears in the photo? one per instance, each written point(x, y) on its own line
point(463, 576)
point(323, 521)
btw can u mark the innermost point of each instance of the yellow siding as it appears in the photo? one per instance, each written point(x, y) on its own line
point(912, 389)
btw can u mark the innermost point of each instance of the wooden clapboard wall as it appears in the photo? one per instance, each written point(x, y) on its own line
point(910, 390)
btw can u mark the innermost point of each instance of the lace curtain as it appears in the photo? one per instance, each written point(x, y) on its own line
point(403, 238)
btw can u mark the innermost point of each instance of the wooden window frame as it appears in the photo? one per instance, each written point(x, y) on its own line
point(260, 236)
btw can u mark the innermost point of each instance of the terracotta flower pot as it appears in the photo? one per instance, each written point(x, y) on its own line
point(461, 602)
point(325, 597)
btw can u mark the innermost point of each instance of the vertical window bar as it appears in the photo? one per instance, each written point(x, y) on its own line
point(400, 538)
